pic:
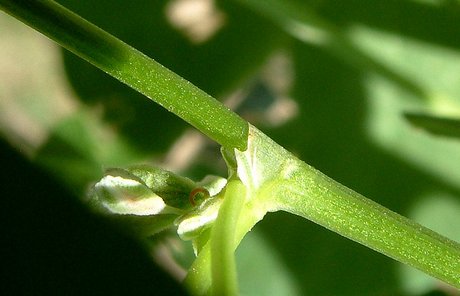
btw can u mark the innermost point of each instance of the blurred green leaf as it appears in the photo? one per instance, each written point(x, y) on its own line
point(430, 21)
point(257, 262)
point(441, 126)
point(79, 147)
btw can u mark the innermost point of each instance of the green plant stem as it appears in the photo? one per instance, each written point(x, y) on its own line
point(132, 68)
point(344, 211)
point(314, 196)
point(224, 279)
point(200, 277)
point(280, 181)
point(299, 189)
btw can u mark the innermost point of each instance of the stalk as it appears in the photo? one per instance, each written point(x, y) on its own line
point(334, 206)
point(223, 238)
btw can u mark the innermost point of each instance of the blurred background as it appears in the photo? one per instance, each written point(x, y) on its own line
point(368, 92)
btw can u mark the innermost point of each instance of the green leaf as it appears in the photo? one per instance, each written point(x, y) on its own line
point(143, 200)
point(172, 188)
point(124, 195)
point(193, 224)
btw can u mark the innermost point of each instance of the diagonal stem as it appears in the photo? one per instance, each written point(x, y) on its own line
point(133, 68)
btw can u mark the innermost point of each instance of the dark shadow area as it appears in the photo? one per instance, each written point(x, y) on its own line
point(51, 245)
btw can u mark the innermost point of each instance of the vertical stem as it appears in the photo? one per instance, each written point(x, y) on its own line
point(224, 240)
point(215, 260)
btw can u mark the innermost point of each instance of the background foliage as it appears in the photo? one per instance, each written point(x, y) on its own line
point(330, 81)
